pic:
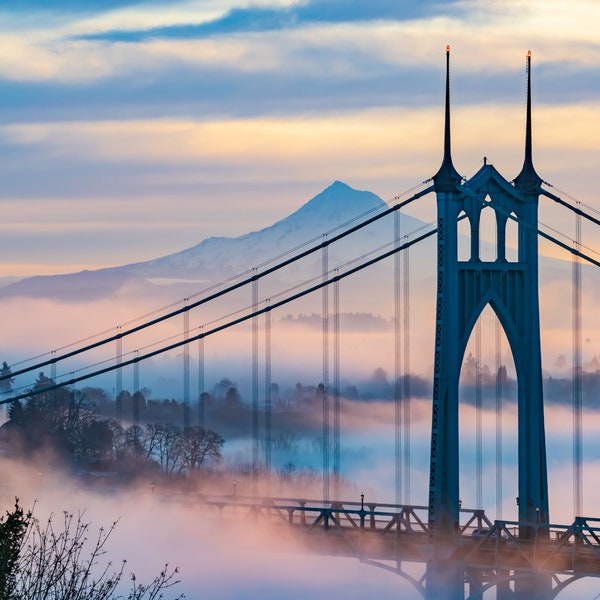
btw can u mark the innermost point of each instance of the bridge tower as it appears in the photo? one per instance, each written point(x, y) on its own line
point(464, 289)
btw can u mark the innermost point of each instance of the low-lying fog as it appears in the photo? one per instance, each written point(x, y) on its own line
point(238, 559)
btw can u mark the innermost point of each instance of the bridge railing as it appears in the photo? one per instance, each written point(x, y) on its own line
point(540, 546)
point(384, 516)
point(375, 516)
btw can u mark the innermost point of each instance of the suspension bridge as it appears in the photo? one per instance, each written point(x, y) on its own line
point(463, 552)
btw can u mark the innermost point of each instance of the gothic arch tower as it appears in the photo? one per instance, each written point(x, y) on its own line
point(464, 289)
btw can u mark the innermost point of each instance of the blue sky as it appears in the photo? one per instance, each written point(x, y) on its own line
point(129, 130)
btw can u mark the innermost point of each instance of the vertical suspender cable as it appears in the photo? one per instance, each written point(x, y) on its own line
point(119, 382)
point(201, 384)
point(136, 389)
point(53, 366)
point(577, 375)
point(499, 381)
point(325, 390)
point(406, 371)
point(186, 368)
point(268, 399)
point(336, 389)
point(398, 379)
point(255, 386)
point(478, 417)
point(53, 372)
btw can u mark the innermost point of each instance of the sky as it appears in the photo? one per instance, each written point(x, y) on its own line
point(133, 129)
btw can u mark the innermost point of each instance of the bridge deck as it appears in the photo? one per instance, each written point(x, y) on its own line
point(373, 531)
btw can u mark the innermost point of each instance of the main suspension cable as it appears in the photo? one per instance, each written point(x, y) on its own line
point(239, 284)
point(315, 287)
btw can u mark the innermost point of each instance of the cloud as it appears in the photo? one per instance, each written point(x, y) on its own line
point(65, 5)
point(353, 46)
point(76, 19)
point(361, 142)
point(292, 15)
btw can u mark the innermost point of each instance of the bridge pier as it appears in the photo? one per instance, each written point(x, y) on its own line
point(503, 589)
point(445, 580)
point(474, 578)
point(448, 580)
point(534, 587)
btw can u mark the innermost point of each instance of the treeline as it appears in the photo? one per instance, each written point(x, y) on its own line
point(132, 434)
point(557, 390)
point(135, 434)
point(78, 429)
point(69, 426)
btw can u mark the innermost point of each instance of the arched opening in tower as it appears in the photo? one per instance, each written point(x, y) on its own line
point(463, 250)
point(488, 420)
point(487, 234)
point(512, 239)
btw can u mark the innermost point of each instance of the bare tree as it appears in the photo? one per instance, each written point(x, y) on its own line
point(60, 563)
point(163, 441)
point(196, 444)
point(137, 443)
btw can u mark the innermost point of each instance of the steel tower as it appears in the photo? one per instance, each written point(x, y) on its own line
point(464, 289)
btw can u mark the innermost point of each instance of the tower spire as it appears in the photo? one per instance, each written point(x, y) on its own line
point(528, 180)
point(447, 178)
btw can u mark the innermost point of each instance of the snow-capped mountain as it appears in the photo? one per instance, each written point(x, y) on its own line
point(218, 258)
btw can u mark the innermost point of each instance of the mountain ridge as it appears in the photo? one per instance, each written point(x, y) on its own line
point(215, 258)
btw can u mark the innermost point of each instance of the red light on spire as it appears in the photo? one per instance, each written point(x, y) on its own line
point(448, 49)
point(528, 53)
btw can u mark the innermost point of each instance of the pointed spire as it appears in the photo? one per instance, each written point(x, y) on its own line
point(447, 178)
point(528, 180)
point(447, 146)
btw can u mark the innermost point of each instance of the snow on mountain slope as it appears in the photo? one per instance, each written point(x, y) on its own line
point(219, 257)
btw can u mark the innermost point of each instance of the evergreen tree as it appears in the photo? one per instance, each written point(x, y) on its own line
point(6, 380)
